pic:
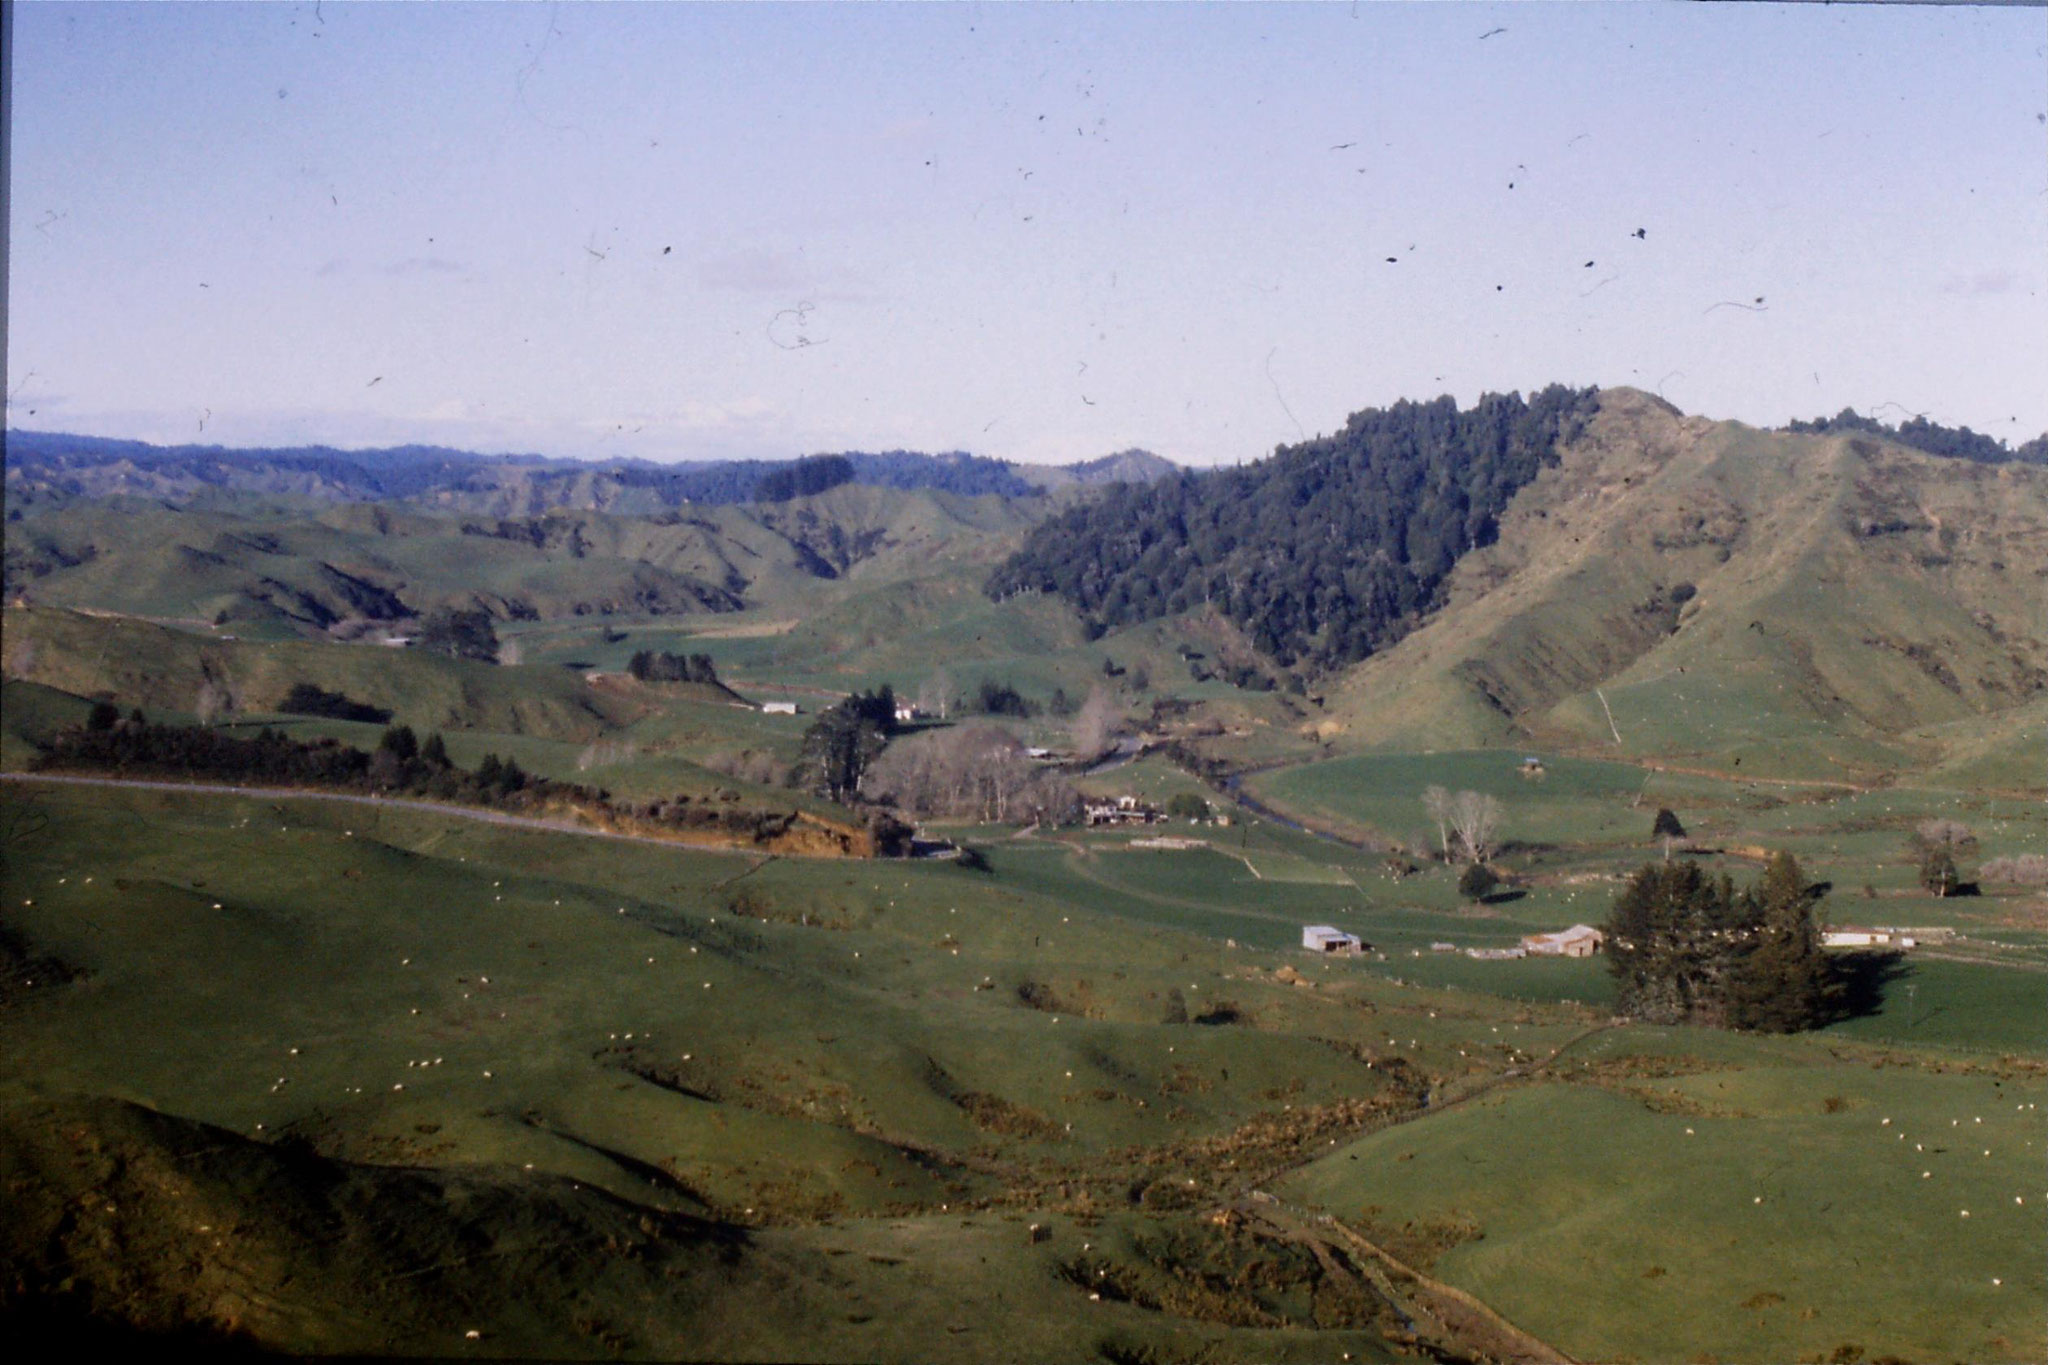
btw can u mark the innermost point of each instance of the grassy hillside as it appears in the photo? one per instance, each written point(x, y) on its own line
point(1082, 1095)
point(1694, 1178)
point(1796, 603)
point(254, 565)
point(160, 668)
point(586, 1098)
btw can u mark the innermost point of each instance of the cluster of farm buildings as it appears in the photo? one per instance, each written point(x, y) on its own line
point(1124, 810)
point(1581, 940)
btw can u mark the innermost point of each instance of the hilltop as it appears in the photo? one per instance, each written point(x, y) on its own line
point(1679, 585)
point(58, 465)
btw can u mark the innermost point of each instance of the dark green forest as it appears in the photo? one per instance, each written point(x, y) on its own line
point(1324, 553)
point(1955, 443)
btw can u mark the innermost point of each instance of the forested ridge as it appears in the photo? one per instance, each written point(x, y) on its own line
point(1930, 438)
point(1324, 553)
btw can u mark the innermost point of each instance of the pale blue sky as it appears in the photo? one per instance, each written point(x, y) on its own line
point(1038, 232)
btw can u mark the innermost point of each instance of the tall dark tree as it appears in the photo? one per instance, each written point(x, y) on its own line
point(1477, 881)
point(1668, 943)
point(1938, 870)
point(841, 744)
point(400, 742)
point(1781, 981)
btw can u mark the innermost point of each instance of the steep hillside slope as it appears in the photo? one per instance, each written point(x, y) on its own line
point(1678, 586)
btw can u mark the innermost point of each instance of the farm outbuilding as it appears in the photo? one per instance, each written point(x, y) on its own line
point(1863, 936)
point(1324, 938)
point(1581, 940)
point(778, 708)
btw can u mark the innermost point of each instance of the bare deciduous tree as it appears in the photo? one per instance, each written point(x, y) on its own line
point(748, 765)
point(978, 772)
point(213, 699)
point(1095, 726)
point(1437, 802)
point(935, 695)
point(1945, 833)
point(1475, 819)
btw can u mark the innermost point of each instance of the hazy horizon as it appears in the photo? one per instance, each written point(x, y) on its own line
point(1033, 233)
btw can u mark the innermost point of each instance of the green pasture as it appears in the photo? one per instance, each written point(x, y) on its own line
point(1766, 1212)
point(878, 1057)
point(1380, 796)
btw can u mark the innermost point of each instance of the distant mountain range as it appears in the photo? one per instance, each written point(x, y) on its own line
point(42, 465)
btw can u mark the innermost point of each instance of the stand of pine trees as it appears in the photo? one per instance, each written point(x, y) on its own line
point(1688, 948)
point(1324, 553)
point(842, 743)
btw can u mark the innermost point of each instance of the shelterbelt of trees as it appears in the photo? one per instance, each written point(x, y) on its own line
point(403, 765)
point(1685, 947)
point(1324, 553)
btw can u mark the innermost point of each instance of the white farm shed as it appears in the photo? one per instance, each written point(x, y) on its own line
point(1581, 940)
point(1324, 938)
point(1862, 936)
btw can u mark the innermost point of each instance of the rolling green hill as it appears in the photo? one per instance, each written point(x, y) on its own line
point(248, 564)
point(164, 669)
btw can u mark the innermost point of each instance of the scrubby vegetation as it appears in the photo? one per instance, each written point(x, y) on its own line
point(401, 764)
point(459, 634)
point(660, 666)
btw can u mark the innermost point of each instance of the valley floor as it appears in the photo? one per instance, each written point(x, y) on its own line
point(326, 1078)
